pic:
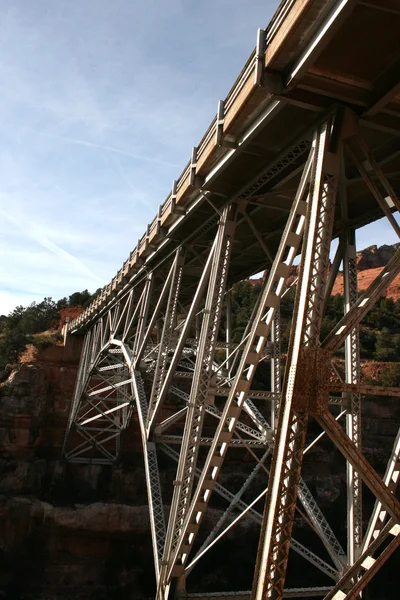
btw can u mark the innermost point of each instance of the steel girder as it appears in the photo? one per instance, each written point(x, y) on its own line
point(170, 358)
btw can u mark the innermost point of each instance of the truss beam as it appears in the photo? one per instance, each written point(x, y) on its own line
point(257, 338)
point(165, 349)
point(288, 452)
point(199, 394)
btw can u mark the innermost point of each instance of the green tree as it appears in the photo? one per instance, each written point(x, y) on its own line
point(15, 316)
point(367, 342)
point(12, 344)
point(244, 296)
point(390, 376)
point(79, 298)
point(385, 347)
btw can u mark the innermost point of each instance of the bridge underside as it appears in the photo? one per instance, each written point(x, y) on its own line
point(314, 156)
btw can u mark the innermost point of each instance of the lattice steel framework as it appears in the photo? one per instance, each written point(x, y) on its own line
point(169, 356)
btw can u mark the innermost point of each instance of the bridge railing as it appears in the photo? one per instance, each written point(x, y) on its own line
point(211, 142)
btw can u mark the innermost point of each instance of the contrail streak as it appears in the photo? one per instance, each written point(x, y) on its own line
point(110, 149)
point(51, 246)
point(130, 185)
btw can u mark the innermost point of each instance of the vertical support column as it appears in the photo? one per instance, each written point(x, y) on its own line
point(228, 328)
point(307, 368)
point(275, 366)
point(353, 417)
point(192, 313)
point(96, 341)
point(167, 331)
point(352, 375)
point(199, 393)
point(256, 340)
point(144, 309)
point(79, 385)
point(153, 485)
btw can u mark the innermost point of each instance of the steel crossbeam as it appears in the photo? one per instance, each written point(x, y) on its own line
point(366, 566)
point(315, 592)
point(373, 185)
point(311, 507)
point(207, 441)
point(212, 410)
point(99, 412)
point(184, 334)
point(356, 458)
point(163, 295)
point(247, 509)
point(232, 505)
point(363, 305)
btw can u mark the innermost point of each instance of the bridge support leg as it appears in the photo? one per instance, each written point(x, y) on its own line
point(122, 361)
point(306, 368)
point(167, 333)
point(79, 384)
point(351, 402)
point(256, 340)
point(275, 367)
point(199, 393)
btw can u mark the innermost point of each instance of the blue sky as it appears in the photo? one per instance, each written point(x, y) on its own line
point(100, 106)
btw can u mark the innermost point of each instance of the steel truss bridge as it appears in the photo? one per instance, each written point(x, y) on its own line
point(303, 151)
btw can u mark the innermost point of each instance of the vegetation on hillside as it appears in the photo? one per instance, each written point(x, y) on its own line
point(20, 327)
point(379, 332)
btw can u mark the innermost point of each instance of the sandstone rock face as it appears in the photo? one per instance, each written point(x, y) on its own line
point(69, 313)
point(370, 263)
point(99, 517)
point(24, 392)
point(102, 517)
point(374, 256)
point(34, 407)
point(68, 552)
point(365, 278)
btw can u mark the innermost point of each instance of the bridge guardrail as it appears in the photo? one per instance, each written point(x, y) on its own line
point(209, 142)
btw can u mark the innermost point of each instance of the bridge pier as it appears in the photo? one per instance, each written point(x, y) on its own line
point(72, 346)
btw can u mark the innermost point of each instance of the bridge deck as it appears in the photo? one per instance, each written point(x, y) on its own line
point(314, 55)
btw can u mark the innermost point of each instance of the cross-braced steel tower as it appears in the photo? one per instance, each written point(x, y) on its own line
point(290, 164)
